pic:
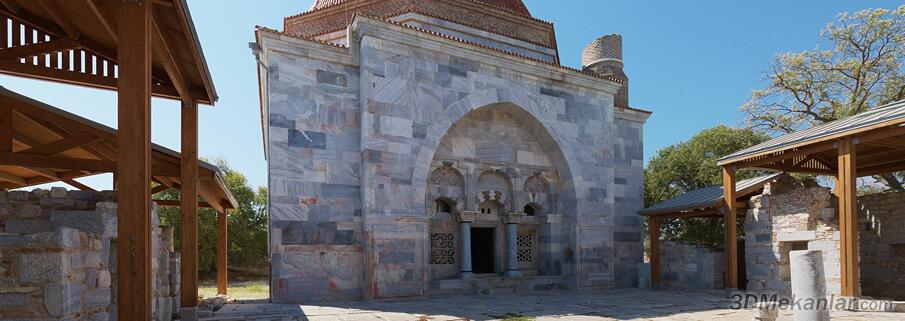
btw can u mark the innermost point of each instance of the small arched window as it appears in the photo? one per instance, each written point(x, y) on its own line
point(531, 209)
point(489, 207)
point(441, 206)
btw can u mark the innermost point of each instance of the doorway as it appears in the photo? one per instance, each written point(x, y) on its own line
point(482, 250)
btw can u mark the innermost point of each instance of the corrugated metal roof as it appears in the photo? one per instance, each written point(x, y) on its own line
point(854, 124)
point(707, 196)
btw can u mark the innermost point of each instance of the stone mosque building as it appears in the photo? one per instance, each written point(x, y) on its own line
point(425, 147)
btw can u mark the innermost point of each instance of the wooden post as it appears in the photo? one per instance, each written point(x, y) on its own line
point(133, 164)
point(6, 128)
point(729, 218)
point(654, 228)
point(846, 191)
point(188, 287)
point(222, 282)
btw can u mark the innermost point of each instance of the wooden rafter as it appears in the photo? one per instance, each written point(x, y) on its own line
point(61, 145)
point(41, 48)
point(53, 9)
point(42, 161)
point(103, 16)
point(163, 52)
point(79, 185)
point(159, 188)
point(12, 179)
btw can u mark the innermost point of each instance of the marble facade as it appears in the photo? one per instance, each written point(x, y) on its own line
point(387, 154)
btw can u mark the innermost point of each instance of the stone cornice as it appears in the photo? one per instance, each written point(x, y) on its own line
point(631, 114)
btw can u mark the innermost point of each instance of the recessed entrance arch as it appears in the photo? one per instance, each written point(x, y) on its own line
point(497, 148)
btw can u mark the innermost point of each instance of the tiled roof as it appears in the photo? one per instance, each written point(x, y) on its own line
point(514, 6)
point(891, 113)
point(474, 44)
point(706, 197)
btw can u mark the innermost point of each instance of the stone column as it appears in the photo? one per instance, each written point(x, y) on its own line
point(465, 218)
point(512, 221)
point(809, 284)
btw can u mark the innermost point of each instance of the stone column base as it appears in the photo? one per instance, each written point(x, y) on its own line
point(188, 314)
point(512, 274)
point(466, 275)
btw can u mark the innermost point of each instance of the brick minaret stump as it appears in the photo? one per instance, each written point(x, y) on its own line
point(603, 56)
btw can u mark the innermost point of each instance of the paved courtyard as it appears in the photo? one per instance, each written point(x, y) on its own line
point(626, 304)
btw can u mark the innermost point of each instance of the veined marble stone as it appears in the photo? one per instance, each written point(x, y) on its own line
point(354, 133)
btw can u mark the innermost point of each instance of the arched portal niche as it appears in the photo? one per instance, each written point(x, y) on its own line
point(507, 159)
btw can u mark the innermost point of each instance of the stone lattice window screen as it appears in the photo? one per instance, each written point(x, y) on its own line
point(525, 242)
point(443, 248)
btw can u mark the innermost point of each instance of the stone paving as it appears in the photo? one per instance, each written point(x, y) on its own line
point(626, 304)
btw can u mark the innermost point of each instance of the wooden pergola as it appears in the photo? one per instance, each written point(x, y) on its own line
point(139, 49)
point(870, 143)
point(707, 202)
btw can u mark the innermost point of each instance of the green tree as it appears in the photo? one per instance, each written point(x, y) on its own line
point(863, 69)
point(247, 225)
point(690, 165)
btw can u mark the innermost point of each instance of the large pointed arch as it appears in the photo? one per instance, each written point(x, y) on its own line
point(527, 112)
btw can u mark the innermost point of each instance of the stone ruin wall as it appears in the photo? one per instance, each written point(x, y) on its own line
point(790, 215)
point(882, 230)
point(686, 266)
point(58, 257)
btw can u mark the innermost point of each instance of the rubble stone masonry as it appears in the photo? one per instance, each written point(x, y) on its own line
point(58, 257)
point(882, 230)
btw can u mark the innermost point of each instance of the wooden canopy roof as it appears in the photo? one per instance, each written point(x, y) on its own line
point(50, 144)
point(75, 42)
point(705, 201)
point(879, 135)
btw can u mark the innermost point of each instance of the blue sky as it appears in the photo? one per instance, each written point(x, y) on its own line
point(692, 63)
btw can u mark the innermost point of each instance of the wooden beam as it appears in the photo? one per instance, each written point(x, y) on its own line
point(703, 212)
point(61, 145)
point(58, 16)
point(846, 191)
point(79, 185)
point(895, 166)
point(40, 48)
point(44, 172)
point(164, 53)
point(189, 196)
point(222, 282)
point(103, 16)
point(133, 172)
point(178, 203)
point(11, 5)
point(6, 129)
point(654, 229)
point(42, 161)
point(12, 179)
point(730, 227)
point(159, 188)
point(787, 154)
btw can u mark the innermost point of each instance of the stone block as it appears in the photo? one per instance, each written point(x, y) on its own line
point(63, 299)
point(9, 300)
point(12, 240)
point(104, 279)
point(58, 192)
point(27, 226)
point(796, 236)
point(30, 211)
point(98, 297)
point(43, 268)
point(89, 222)
point(18, 195)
